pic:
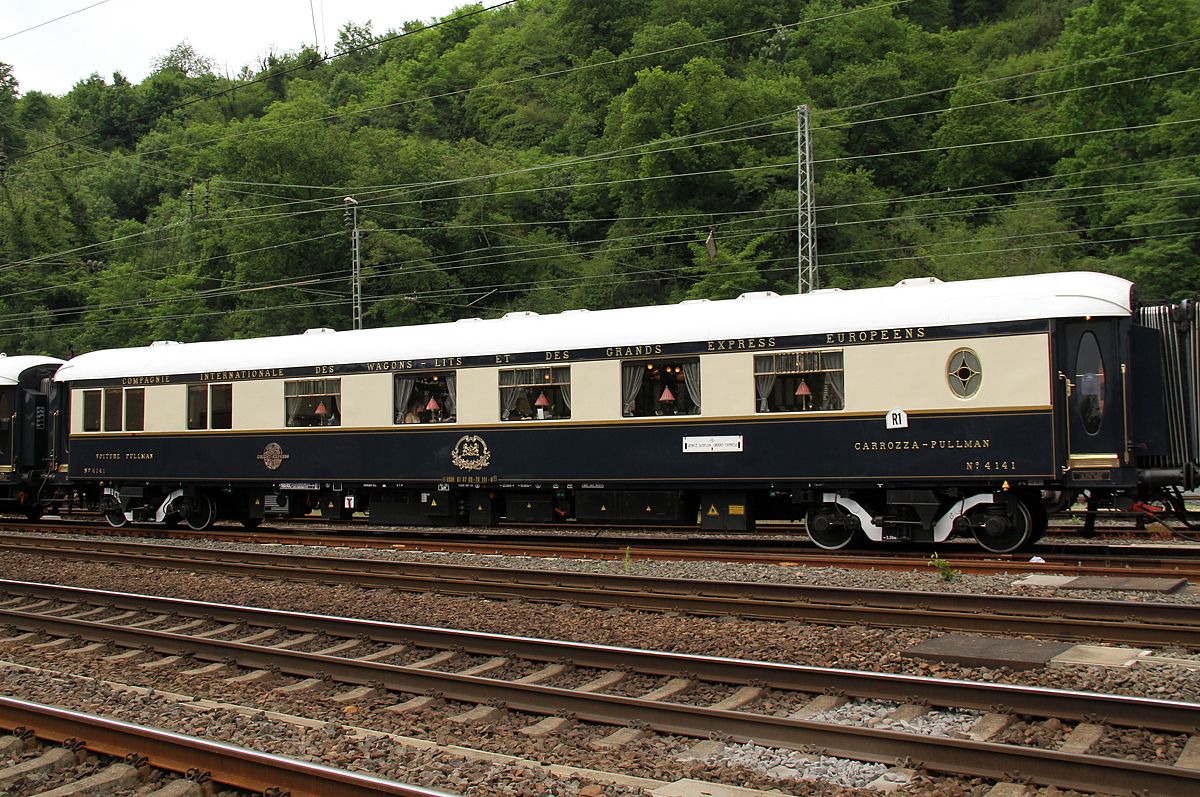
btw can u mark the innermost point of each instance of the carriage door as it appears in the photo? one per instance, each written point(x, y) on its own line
point(1091, 377)
point(8, 397)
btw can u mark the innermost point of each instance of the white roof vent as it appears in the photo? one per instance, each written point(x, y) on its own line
point(166, 343)
point(318, 331)
point(918, 281)
point(696, 301)
point(520, 314)
point(461, 320)
point(575, 312)
point(827, 290)
point(760, 295)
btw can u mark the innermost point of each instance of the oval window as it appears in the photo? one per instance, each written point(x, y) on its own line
point(964, 373)
point(1089, 383)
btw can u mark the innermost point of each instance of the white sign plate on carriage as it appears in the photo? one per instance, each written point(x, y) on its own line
point(897, 419)
point(694, 445)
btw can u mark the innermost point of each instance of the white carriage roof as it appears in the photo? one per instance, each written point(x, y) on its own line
point(11, 368)
point(914, 303)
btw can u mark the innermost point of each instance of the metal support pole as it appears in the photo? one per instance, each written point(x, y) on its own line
point(807, 279)
point(355, 266)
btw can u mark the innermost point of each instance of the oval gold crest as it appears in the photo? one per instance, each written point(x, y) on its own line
point(471, 453)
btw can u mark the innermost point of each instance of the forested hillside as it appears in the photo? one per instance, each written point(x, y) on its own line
point(556, 154)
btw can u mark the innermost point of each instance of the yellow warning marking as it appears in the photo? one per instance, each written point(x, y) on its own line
point(712, 510)
point(529, 506)
point(603, 508)
point(648, 509)
point(433, 503)
point(734, 509)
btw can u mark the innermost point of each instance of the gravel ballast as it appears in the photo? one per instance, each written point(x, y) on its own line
point(851, 647)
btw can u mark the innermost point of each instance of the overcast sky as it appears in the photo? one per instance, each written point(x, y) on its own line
point(127, 35)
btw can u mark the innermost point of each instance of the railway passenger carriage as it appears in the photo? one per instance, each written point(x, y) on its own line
point(25, 383)
point(902, 413)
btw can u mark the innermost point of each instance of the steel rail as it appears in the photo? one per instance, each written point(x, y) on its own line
point(225, 763)
point(1124, 622)
point(1089, 560)
point(1167, 715)
point(958, 757)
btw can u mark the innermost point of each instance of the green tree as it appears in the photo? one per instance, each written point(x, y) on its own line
point(1128, 87)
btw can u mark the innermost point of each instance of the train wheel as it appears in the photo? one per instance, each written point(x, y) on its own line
point(1005, 527)
point(116, 518)
point(199, 513)
point(831, 527)
point(1039, 514)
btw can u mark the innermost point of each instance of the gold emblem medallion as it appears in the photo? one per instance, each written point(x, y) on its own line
point(471, 453)
point(273, 456)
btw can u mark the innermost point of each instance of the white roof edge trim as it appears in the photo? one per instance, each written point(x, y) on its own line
point(990, 301)
point(12, 366)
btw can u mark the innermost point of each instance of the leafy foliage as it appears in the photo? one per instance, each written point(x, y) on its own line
point(561, 153)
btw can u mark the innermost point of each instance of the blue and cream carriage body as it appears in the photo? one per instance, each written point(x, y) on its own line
point(903, 413)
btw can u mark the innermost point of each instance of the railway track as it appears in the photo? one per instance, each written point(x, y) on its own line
point(59, 739)
point(549, 685)
point(1121, 622)
point(1086, 559)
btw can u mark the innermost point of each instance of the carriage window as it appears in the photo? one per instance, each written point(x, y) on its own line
point(800, 381)
point(222, 406)
point(313, 402)
point(964, 374)
point(202, 399)
point(135, 409)
point(660, 388)
point(425, 398)
point(112, 409)
point(1089, 381)
point(535, 394)
point(91, 410)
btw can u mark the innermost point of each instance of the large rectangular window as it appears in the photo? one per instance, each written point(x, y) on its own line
point(425, 398)
point(314, 402)
point(660, 387)
point(800, 381)
point(92, 402)
point(135, 409)
point(210, 406)
point(528, 394)
point(112, 409)
point(221, 407)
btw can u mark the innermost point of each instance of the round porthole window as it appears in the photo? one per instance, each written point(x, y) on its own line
point(964, 373)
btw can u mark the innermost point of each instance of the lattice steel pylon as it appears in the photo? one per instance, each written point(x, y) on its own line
point(351, 215)
point(806, 236)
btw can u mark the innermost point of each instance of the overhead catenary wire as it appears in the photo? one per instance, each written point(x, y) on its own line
point(648, 145)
